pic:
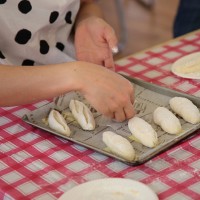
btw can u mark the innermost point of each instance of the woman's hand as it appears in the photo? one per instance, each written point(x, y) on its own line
point(94, 42)
point(108, 92)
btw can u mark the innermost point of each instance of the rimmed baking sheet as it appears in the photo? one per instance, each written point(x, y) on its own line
point(147, 98)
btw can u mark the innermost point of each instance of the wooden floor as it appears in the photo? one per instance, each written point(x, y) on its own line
point(145, 27)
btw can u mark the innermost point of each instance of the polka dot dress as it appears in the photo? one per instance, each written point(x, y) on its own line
point(36, 32)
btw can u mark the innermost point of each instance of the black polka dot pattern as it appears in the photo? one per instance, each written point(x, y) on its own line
point(39, 38)
point(28, 62)
point(2, 1)
point(23, 36)
point(68, 17)
point(60, 46)
point(44, 47)
point(53, 17)
point(24, 6)
point(1, 55)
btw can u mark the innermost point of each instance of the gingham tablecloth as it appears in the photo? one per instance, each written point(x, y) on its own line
point(35, 164)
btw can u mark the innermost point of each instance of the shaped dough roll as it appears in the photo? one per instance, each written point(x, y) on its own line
point(82, 114)
point(58, 123)
point(119, 145)
point(186, 109)
point(167, 120)
point(143, 131)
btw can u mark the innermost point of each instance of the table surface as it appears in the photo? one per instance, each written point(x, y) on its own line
point(35, 164)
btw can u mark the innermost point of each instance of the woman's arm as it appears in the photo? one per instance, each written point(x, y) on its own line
point(108, 92)
point(22, 85)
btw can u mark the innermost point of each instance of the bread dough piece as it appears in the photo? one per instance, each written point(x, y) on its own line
point(185, 109)
point(143, 132)
point(167, 120)
point(119, 145)
point(58, 123)
point(82, 114)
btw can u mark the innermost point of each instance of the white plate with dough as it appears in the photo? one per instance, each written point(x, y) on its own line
point(188, 66)
point(110, 189)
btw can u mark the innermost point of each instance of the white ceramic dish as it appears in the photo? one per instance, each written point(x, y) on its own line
point(187, 66)
point(110, 189)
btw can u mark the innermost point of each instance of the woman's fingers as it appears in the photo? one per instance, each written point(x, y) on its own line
point(111, 39)
point(123, 113)
point(120, 111)
point(119, 115)
point(109, 63)
point(129, 111)
point(121, 104)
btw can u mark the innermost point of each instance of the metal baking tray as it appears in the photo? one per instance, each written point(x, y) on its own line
point(147, 97)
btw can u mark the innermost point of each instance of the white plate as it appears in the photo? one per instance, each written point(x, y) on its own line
point(187, 63)
point(110, 189)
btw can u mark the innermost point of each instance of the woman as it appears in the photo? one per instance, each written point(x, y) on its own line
point(38, 33)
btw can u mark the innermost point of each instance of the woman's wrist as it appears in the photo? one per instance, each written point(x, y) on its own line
point(72, 76)
point(87, 10)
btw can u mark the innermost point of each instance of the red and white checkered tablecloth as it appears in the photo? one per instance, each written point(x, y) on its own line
point(35, 164)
